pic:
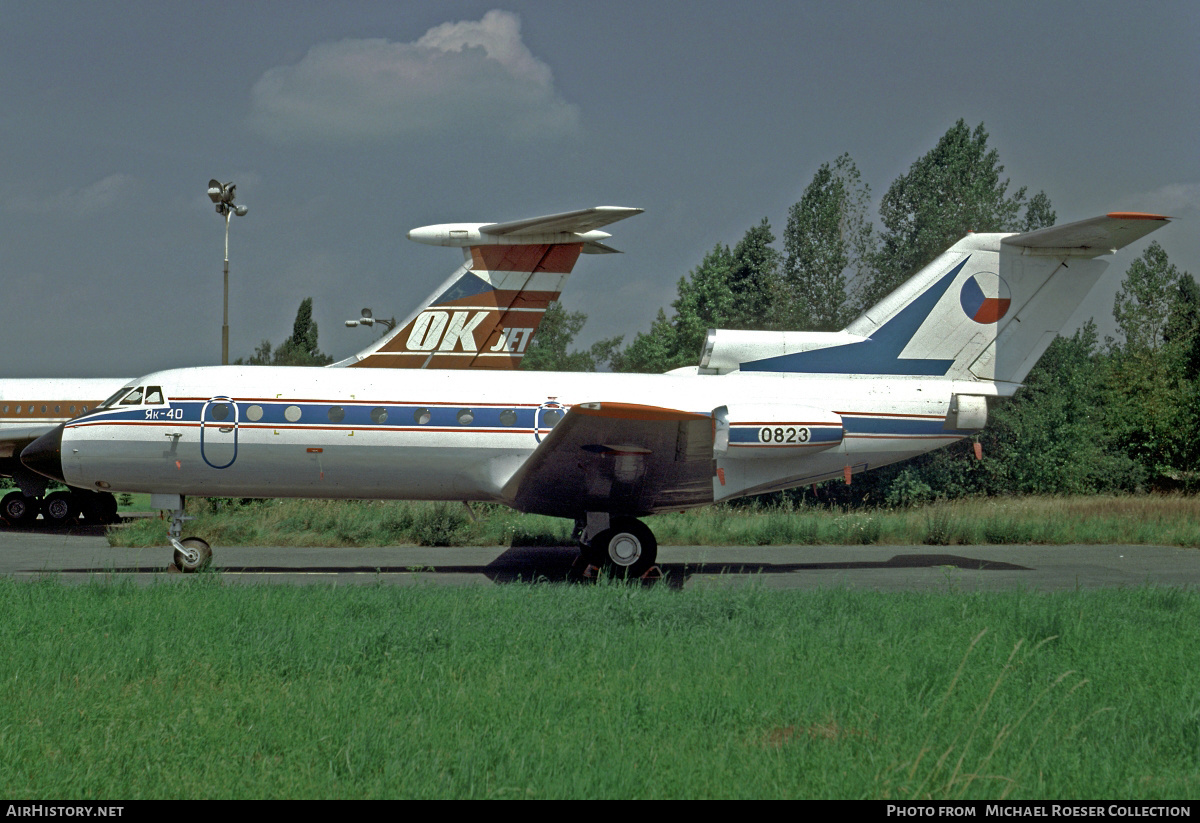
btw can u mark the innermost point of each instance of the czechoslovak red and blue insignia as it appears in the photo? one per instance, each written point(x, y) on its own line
point(985, 298)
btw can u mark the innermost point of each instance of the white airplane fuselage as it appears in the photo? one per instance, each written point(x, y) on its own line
point(911, 374)
point(434, 435)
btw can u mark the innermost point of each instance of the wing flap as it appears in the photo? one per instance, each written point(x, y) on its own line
point(620, 458)
point(1089, 238)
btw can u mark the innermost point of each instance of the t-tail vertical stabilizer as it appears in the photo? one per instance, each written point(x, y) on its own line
point(984, 310)
point(485, 314)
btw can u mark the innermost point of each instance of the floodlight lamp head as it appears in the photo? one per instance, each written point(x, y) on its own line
point(214, 191)
point(351, 324)
point(240, 211)
point(367, 313)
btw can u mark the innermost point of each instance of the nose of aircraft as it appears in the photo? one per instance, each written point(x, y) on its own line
point(44, 455)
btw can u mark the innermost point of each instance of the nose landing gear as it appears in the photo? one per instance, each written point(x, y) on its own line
point(192, 554)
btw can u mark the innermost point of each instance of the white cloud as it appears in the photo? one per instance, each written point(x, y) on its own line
point(457, 76)
point(1171, 200)
point(102, 194)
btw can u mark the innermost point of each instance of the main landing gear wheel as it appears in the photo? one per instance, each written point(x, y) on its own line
point(18, 509)
point(626, 549)
point(192, 554)
point(60, 510)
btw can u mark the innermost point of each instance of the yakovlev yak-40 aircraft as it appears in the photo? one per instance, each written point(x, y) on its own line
point(763, 411)
point(481, 317)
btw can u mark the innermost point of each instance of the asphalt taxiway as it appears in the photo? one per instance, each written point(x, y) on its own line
point(85, 555)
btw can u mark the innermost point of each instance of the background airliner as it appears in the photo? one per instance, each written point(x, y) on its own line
point(483, 316)
point(763, 411)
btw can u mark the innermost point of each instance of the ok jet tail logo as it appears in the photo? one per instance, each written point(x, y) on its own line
point(446, 331)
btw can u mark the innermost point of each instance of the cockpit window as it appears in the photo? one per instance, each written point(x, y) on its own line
point(134, 398)
point(112, 400)
point(154, 396)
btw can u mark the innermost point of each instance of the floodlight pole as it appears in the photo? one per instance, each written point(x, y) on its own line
point(368, 319)
point(222, 195)
point(225, 322)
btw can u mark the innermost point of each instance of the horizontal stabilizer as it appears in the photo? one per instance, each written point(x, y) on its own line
point(1088, 238)
point(568, 228)
point(485, 314)
point(596, 247)
point(575, 222)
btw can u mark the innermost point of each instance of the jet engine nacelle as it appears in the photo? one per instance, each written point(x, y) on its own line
point(726, 349)
point(773, 431)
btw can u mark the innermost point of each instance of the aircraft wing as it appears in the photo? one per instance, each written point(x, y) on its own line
point(578, 222)
point(1089, 238)
point(618, 458)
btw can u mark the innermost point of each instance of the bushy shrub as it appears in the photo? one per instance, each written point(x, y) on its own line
point(441, 524)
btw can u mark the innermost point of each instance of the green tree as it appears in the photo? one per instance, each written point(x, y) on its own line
point(1155, 393)
point(1053, 436)
point(827, 236)
point(953, 189)
point(549, 349)
point(1038, 213)
point(1144, 302)
point(652, 352)
point(753, 278)
point(705, 300)
point(1183, 327)
point(729, 289)
point(298, 350)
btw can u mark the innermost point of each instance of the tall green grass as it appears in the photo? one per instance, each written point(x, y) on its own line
point(195, 689)
point(1172, 520)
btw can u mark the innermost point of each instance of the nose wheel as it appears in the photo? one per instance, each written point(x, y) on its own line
point(192, 554)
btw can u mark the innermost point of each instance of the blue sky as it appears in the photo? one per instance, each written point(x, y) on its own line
point(345, 124)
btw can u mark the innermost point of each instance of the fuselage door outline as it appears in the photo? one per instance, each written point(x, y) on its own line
point(546, 416)
point(219, 432)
